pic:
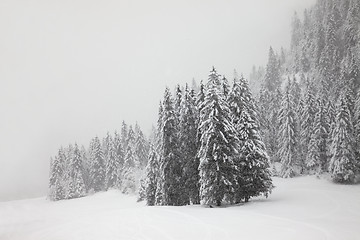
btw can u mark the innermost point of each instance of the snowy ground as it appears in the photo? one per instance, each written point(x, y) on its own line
point(301, 208)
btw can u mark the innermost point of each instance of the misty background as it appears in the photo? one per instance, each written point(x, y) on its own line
point(70, 70)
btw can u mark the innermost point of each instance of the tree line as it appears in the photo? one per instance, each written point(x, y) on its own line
point(309, 102)
point(116, 161)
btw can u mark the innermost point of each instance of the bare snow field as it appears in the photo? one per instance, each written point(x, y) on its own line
point(301, 208)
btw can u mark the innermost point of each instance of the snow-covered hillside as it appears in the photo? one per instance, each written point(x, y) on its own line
point(301, 208)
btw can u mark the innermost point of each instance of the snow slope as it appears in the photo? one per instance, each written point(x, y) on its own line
point(301, 208)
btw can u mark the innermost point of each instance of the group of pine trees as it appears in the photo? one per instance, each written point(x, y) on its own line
point(116, 161)
point(309, 103)
point(207, 147)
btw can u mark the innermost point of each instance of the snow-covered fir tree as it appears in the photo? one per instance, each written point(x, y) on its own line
point(112, 163)
point(141, 146)
point(218, 145)
point(56, 178)
point(188, 146)
point(124, 135)
point(307, 121)
point(343, 163)
point(272, 79)
point(317, 157)
point(151, 178)
point(76, 174)
point(97, 172)
point(253, 175)
point(170, 165)
point(269, 104)
point(158, 149)
point(119, 153)
point(288, 136)
point(68, 179)
point(86, 167)
point(130, 165)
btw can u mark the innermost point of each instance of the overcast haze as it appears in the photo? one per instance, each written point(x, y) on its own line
point(70, 70)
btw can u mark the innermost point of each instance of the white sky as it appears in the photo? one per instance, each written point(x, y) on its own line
point(73, 69)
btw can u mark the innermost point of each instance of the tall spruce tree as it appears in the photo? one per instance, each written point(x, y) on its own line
point(97, 172)
point(119, 152)
point(112, 164)
point(129, 174)
point(141, 146)
point(272, 79)
point(307, 118)
point(218, 145)
point(170, 164)
point(253, 175)
point(55, 182)
point(317, 157)
point(158, 148)
point(86, 167)
point(288, 136)
point(76, 174)
point(151, 178)
point(123, 135)
point(343, 163)
point(188, 146)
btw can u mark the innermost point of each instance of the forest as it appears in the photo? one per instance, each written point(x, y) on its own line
point(221, 141)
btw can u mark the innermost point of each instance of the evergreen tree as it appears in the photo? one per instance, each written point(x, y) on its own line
point(272, 79)
point(158, 148)
point(86, 167)
point(124, 134)
point(55, 183)
point(119, 156)
point(199, 102)
point(188, 147)
point(295, 91)
point(68, 179)
point(253, 175)
point(342, 164)
point(97, 172)
point(300, 124)
point(141, 149)
point(177, 101)
point(128, 171)
point(129, 176)
point(76, 174)
point(142, 189)
point(317, 152)
point(307, 118)
point(218, 146)
point(170, 165)
point(112, 164)
point(151, 178)
point(288, 136)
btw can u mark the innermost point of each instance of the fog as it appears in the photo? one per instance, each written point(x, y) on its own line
point(70, 70)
